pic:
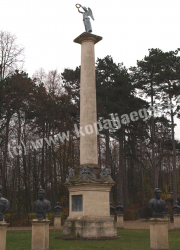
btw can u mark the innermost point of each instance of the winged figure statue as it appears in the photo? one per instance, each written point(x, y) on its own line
point(86, 14)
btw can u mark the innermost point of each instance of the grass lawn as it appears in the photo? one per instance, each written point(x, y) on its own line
point(131, 240)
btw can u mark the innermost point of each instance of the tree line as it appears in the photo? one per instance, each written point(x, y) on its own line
point(37, 133)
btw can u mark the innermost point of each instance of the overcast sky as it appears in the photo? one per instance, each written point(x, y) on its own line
point(47, 28)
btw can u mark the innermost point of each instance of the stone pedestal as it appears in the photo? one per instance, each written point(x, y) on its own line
point(159, 234)
point(40, 234)
point(3, 230)
point(176, 221)
point(57, 223)
point(167, 216)
point(120, 221)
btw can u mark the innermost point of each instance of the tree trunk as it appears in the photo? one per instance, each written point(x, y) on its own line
point(142, 174)
point(152, 141)
point(15, 189)
point(18, 164)
point(5, 158)
point(42, 166)
point(121, 169)
point(107, 148)
point(99, 149)
point(174, 160)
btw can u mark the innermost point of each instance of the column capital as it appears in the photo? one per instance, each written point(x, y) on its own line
point(85, 36)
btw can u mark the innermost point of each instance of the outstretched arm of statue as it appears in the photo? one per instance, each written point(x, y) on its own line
point(84, 8)
point(80, 11)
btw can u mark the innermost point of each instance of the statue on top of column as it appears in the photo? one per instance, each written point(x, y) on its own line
point(86, 19)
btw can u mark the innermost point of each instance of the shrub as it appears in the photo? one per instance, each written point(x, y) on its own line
point(64, 214)
point(130, 214)
point(51, 217)
point(25, 219)
point(31, 216)
point(17, 220)
point(164, 196)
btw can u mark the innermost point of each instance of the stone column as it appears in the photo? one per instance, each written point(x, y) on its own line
point(89, 214)
point(3, 230)
point(40, 234)
point(57, 223)
point(88, 111)
point(159, 234)
point(176, 221)
point(120, 221)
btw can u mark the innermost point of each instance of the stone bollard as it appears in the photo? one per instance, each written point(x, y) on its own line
point(176, 210)
point(120, 221)
point(40, 234)
point(159, 234)
point(120, 216)
point(3, 230)
point(176, 221)
point(57, 217)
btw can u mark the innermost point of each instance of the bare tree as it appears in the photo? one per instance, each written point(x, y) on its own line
point(54, 84)
point(52, 81)
point(40, 76)
point(11, 54)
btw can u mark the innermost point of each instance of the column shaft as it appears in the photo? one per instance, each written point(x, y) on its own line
point(88, 113)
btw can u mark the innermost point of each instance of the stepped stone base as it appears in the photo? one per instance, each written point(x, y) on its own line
point(89, 205)
point(90, 227)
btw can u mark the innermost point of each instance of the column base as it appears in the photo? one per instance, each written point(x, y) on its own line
point(89, 206)
point(90, 227)
point(40, 234)
point(159, 234)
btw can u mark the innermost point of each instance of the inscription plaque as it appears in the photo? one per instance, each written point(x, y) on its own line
point(77, 205)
